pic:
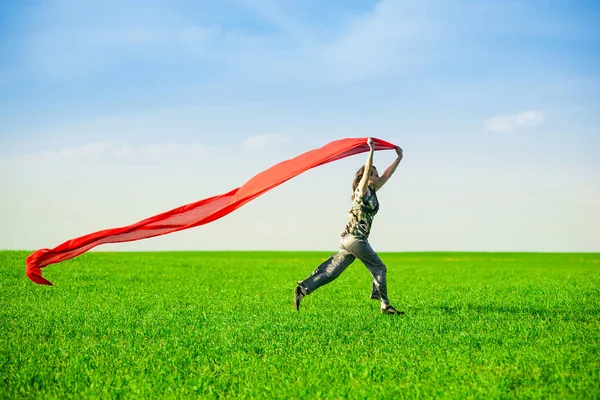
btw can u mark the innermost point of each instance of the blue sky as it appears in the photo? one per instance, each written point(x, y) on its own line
point(111, 112)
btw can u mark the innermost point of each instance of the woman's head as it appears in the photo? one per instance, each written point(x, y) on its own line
point(373, 178)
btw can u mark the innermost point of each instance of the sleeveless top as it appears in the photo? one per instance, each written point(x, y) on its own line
point(360, 216)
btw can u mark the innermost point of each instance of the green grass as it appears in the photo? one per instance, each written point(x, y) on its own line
point(180, 325)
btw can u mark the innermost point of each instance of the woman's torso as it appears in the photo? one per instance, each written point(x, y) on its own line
point(360, 216)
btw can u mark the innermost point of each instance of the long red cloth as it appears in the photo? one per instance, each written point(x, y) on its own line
point(203, 211)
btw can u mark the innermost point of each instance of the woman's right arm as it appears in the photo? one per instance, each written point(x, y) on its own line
point(362, 185)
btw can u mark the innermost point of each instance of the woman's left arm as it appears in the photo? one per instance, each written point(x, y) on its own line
point(391, 169)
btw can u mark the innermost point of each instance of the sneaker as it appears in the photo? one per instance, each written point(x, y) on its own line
point(298, 296)
point(391, 311)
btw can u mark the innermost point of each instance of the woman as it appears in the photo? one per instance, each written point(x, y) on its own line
point(354, 243)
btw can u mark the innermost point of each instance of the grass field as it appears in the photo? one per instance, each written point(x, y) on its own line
point(180, 325)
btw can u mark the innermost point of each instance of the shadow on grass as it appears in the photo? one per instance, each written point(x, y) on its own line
point(588, 315)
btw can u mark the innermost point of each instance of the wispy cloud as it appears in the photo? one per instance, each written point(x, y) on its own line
point(374, 44)
point(73, 40)
point(274, 13)
point(508, 123)
point(196, 41)
point(379, 43)
point(102, 153)
point(65, 53)
point(72, 43)
point(263, 141)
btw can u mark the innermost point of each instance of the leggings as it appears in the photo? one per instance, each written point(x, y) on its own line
point(351, 248)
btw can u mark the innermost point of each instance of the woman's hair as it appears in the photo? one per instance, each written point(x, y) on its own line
point(358, 177)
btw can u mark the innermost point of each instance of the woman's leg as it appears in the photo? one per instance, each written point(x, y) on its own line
point(327, 271)
point(362, 250)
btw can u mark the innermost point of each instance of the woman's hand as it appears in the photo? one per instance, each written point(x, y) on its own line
point(399, 152)
point(370, 143)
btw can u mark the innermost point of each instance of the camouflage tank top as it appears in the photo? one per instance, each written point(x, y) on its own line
point(360, 216)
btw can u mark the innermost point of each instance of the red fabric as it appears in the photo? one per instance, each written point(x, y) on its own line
point(203, 211)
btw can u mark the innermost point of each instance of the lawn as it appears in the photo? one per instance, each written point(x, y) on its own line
point(222, 324)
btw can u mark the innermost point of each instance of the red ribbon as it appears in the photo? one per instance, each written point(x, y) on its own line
point(203, 211)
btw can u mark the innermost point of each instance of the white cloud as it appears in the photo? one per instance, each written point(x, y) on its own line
point(507, 123)
point(263, 141)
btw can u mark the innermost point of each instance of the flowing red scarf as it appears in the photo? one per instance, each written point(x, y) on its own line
point(203, 211)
